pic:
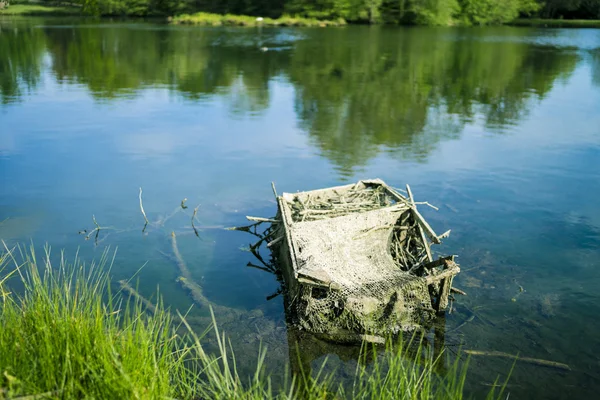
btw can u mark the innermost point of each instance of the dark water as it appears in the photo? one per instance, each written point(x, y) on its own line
point(499, 127)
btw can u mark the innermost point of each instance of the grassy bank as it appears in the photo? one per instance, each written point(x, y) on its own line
point(39, 10)
point(67, 336)
point(209, 19)
point(557, 23)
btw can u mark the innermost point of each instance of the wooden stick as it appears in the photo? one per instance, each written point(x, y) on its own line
point(126, 287)
point(274, 190)
point(471, 318)
point(247, 229)
point(427, 249)
point(430, 232)
point(453, 270)
point(95, 223)
point(420, 229)
point(535, 361)
point(458, 291)
point(279, 239)
point(260, 219)
point(193, 217)
point(183, 269)
point(142, 207)
point(445, 234)
point(264, 238)
point(96, 229)
point(427, 204)
point(444, 292)
point(195, 291)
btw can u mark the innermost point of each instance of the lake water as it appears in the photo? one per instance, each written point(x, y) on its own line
point(498, 127)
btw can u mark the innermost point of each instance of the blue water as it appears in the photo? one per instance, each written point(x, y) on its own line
point(498, 127)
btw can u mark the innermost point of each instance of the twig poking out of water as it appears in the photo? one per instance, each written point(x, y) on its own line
point(193, 218)
point(274, 190)
point(183, 203)
point(95, 222)
point(535, 361)
point(96, 229)
point(143, 212)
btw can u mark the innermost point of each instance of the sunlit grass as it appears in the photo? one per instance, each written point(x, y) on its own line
point(209, 19)
point(557, 23)
point(66, 335)
point(36, 9)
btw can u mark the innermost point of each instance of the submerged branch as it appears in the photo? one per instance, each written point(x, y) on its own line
point(183, 269)
point(127, 288)
point(535, 361)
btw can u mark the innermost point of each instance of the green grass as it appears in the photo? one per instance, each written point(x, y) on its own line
point(209, 19)
point(67, 336)
point(39, 10)
point(557, 23)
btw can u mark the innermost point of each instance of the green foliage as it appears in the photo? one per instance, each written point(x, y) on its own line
point(486, 12)
point(246, 20)
point(90, 7)
point(571, 9)
point(61, 339)
point(434, 12)
point(125, 7)
point(38, 9)
point(320, 9)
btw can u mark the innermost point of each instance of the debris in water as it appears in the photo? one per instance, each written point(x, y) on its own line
point(356, 259)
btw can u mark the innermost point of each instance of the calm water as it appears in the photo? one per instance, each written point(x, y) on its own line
point(499, 127)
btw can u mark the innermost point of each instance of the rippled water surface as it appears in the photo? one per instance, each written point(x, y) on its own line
point(498, 127)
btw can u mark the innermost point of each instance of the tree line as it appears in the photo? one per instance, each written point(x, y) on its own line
point(406, 12)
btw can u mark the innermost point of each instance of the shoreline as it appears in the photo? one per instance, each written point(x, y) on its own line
point(556, 23)
point(210, 19)
point(130, 345)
